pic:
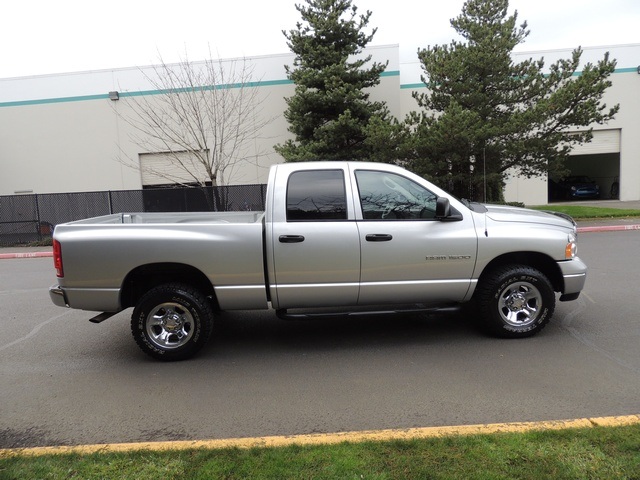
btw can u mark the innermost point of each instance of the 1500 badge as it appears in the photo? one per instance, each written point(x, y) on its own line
point(448, 257)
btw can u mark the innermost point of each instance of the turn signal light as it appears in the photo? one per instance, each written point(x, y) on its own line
point(57, 259)
point(571, 249)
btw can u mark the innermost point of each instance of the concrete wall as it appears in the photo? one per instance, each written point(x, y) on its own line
point(62, 133)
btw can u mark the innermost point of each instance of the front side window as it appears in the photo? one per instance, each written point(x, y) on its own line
point(388, 196)
point(316, 195)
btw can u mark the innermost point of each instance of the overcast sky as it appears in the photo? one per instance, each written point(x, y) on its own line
point(48, 36)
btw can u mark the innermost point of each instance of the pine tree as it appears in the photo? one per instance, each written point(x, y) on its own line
point(330, 111)
point(486, 117)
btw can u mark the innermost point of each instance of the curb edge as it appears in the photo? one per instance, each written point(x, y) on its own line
point(330, 438)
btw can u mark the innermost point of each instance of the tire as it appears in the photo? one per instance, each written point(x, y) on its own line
point(515, 301)
point(172, 322)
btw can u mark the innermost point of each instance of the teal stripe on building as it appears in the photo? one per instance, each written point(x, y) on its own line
point(415, 86)
point(268, 83)
point(105, 96)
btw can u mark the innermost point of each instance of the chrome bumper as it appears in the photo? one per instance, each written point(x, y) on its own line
point(92, 299)
point(574, 273)
point(58, 297)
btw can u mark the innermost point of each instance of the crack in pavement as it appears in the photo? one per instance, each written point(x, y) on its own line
point(33, 332)
point(575, 333)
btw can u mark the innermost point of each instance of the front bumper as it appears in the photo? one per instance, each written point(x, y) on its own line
point(574, 274)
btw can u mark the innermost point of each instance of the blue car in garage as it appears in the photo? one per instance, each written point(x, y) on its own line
point(577, 187)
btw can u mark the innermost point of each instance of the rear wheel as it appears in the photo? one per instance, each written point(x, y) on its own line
point(515, 301)
point(172, 322)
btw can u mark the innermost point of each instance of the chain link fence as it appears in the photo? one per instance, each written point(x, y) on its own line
point(26, 219)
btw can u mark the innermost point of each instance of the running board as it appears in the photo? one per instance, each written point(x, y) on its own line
point(102, 317)
point(284, 315)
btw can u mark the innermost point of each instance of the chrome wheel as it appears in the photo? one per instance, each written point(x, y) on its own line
point(172, 321)
point(519, 304)
point(169, 325)
point(515, 301)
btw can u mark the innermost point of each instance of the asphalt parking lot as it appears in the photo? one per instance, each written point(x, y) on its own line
point(67, 381)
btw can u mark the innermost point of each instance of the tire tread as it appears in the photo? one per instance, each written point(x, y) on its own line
point(487, 291)
point(168, 290)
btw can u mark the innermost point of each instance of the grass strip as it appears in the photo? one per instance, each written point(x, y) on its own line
point(584, 453)
point(582, 212)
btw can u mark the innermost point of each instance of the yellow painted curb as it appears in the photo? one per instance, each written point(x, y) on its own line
point(330, 438)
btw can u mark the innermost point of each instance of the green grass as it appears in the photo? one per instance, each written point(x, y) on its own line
point(590, 453)
point(582, 212)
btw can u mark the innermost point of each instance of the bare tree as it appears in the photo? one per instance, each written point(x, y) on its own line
point(202, 119)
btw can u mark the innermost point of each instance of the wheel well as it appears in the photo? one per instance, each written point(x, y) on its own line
point(539, 261)
point(144, 278)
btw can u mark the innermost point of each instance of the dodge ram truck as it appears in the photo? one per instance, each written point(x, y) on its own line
point(334, 237)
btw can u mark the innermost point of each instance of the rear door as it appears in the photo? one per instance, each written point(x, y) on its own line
point(314, 240)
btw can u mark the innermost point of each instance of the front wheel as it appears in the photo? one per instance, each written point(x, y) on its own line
point(515, 301)
point(172, 322)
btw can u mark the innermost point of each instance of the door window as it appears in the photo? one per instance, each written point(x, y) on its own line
point(316, 195)
point(388, 196)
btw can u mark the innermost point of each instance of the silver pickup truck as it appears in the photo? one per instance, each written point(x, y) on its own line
point(334, 236)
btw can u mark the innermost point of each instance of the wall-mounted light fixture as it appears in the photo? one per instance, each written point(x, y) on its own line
point(114, 96)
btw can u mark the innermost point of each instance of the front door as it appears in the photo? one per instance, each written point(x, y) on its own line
point(407, 255)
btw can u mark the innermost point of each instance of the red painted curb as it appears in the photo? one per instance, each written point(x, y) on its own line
point(25, 255)
point(609, 228)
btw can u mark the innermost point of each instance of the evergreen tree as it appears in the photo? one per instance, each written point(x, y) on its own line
point(486, 117)
point(330, 111)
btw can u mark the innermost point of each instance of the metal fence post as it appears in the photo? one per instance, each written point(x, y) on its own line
point(38, 220)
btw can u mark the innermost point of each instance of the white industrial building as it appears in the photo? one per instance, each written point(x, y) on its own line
point(65, 132)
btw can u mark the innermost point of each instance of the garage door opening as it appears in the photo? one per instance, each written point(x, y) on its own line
point(591, 177)
point(594, 170)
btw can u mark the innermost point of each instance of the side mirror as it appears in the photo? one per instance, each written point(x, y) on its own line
point(443, 208)
point(445, 213)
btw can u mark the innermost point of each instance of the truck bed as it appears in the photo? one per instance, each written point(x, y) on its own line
point(225, 246)
point(177, 217)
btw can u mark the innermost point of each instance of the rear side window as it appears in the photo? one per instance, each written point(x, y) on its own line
point(316, 195)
